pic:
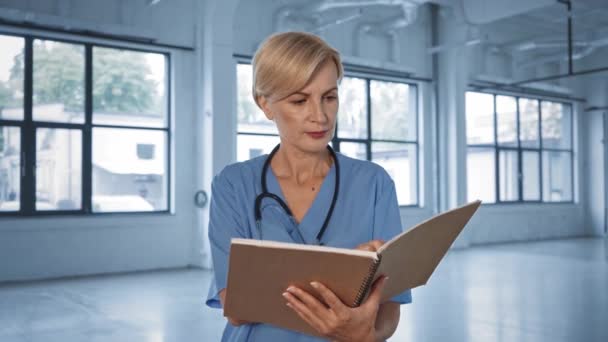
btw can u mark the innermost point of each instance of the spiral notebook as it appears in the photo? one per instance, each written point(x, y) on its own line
point(260, 271)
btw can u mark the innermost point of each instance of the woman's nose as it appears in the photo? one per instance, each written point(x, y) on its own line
point(318, 112)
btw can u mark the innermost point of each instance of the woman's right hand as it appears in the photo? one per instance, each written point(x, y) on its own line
point(235, 322)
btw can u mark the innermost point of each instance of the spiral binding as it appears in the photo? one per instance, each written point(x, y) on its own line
point(367, 282)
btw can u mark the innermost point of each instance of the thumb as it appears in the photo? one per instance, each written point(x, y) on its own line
point(376, 292)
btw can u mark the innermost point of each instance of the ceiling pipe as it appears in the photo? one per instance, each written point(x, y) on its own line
point(527, 46)
point(585, 49)
point(389, 29)
point(395, 54)
point(322, 26)
point(326, 5)
point(312, 14)
point(560, 76)
point(359, 32)
point(571, 56)
point(281, 17)
point(480, 12)
point(582, 53)
point(445, 47)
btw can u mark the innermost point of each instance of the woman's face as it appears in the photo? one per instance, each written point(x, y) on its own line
point(306, 119)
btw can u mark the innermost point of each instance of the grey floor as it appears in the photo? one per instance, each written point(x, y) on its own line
point(543, 291)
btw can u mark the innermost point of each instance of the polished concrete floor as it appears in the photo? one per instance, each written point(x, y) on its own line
point(542, 291)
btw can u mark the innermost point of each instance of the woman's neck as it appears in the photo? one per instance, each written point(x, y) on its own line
point(300, 166)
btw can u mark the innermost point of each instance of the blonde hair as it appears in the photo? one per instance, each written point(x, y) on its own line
point(286, 62)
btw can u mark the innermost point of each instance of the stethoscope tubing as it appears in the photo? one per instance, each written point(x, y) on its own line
point(284, 206)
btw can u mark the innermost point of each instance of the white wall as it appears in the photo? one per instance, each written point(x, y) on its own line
point(59, 246)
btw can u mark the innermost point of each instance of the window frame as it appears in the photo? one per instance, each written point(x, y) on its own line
point(369, 140)
point(28, 127)
point(521, 150)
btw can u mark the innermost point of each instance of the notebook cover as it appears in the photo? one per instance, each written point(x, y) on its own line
point(410, 258)
point(259, 275)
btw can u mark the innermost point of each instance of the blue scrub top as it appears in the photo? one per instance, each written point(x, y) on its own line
point(366, 209)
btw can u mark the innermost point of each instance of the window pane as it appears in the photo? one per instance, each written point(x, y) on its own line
point(528, 122)
point(393, 111)
point(354, 150)
point(11, 78)
point(480, 118)
point(531, 173)
point(557, 176)
point(481, 174)
point(508, 175)
point(129, 88)
point(400, 161)
point(10, 168)
point(250, 117)
point(556, 125)
point(129, 170)
point(58, 82)
point(58, 169)
point(352, 116)
point(506, 115)
point(251, 146)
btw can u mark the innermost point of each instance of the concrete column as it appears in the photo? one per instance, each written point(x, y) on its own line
point(216, 118)
point(451, 75)
point(595, 154)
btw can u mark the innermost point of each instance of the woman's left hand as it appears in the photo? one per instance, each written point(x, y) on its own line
point(337, 322)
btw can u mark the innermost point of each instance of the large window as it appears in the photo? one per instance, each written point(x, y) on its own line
point(377, 121)
point(83, 128)
point(520, 149)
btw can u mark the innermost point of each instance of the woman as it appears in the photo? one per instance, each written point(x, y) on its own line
point(333, 200)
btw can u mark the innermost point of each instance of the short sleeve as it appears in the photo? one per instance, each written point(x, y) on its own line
point(387, 220)
point(224, 224)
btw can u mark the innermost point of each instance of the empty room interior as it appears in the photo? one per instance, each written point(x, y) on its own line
point(136, 138)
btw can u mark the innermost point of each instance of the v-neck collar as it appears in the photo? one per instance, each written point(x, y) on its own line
point(314, 217)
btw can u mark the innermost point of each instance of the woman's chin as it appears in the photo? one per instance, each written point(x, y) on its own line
point(314, 146)
point(318, 146)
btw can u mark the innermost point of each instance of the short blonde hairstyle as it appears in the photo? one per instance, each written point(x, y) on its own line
point(286, 62)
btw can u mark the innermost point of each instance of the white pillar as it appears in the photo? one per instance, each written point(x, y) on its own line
point(595, 154)
point(452, 78)
point(216, 103)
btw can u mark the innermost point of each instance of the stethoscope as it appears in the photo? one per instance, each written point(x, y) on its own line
point(266, 194)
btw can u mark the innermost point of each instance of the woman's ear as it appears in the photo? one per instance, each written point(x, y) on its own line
point(263, 102)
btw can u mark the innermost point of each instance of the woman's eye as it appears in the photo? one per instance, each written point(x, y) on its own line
point(331, 97)
point(299, 102)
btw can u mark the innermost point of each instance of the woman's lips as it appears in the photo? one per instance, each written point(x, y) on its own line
point(317, 135)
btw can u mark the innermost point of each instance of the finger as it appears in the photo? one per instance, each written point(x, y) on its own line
point(303, 311)
point(376, 244)
point(329, 297)
point(365, 247)
point(376, 292)
point(313, 303)
point(371, 246)
point(237, 322)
